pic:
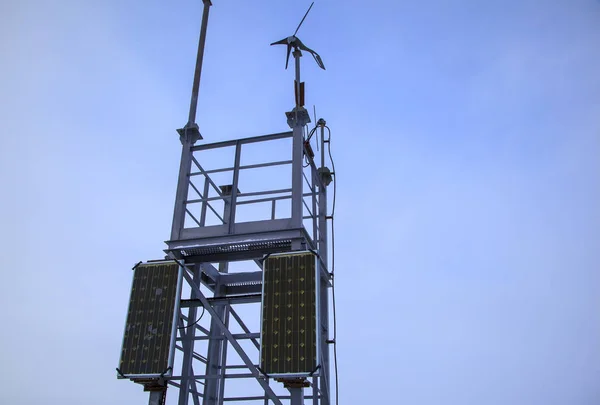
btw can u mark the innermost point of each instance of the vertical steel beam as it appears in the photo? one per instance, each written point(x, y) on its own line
point(315, 390)
point(297, 156)
point(217, 353)
point(324, 330)
point(324, 293)
point(234, 188)
point(204, 203)
point(223, 360)
point(187, 344)
point(183, 185)
point(156, 398)
point(214, 355)
point(313, 197)
point(266, 397)
point(297, 153)
point(297, 396)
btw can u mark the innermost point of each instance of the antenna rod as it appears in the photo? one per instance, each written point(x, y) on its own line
point(198, 72)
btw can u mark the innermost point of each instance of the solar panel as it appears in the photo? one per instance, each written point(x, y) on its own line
point(289, 315)
point(148, 341)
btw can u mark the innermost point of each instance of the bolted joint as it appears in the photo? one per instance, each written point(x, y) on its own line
point(190, 133)
point(298, 117)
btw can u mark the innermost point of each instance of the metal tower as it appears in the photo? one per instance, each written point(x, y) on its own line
point(221, 239)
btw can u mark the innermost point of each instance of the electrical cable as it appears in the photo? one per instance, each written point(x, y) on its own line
point(311, 133)
point(333, 168)
point(335, 362)
point(195, 322)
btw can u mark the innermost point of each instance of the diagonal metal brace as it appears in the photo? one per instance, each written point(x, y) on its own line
point(268, 391)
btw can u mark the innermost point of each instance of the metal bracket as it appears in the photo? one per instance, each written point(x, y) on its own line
point(297, 117)
point(190, 133)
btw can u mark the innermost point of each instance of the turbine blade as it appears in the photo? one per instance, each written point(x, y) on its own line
point(281, 42)
point(287, 59)
point(299, 25)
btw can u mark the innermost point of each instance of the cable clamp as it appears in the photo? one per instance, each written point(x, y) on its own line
point(162, 375)
point(262, 372)
point(314, 371)
point(314, 252)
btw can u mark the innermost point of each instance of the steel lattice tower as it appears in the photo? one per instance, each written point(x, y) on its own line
point(208, 358)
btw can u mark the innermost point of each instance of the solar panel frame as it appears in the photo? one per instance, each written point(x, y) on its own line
point(317, 335)
point(168, 371)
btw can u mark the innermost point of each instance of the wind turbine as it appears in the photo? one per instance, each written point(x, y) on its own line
point(294, 42)
point(298, 46)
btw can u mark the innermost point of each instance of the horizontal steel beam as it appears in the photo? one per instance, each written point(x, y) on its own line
point(245, 167)
point(244, 289)
point(245, 277)
point(238, 336)
point(211, 376)
point(261, 398)
point(254, 139)
point(241, 299)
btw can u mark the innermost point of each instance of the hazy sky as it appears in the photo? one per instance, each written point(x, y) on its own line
point(466, 137)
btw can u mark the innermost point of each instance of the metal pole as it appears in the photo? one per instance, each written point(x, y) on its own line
point(183, 185)
point(216, 354)
point(198, 71)
point(297, 396)
point(324, 295)
point(188, 135)
point(297, 55)
point(156, 398)
point(187, 343)
point(297, 154)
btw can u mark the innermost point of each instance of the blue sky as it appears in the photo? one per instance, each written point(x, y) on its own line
point(466, 137)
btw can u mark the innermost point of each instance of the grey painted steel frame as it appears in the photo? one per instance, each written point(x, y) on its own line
point(317, 326)
point(169, 371)
point(320, 384)
point(233, 341)
point(195, 236)
point(230, 233)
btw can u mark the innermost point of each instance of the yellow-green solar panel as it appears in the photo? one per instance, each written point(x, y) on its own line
point(289, 315)
point(150, 329)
